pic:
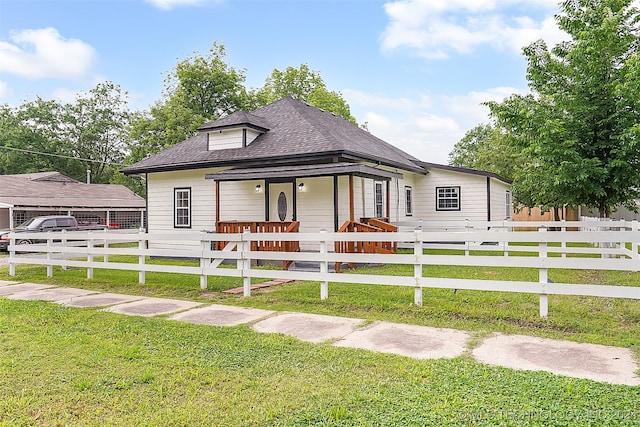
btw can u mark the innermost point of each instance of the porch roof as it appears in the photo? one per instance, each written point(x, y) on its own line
point(304, 171)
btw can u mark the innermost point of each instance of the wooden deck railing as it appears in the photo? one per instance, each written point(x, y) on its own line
point(262, 227)
point(366, 247)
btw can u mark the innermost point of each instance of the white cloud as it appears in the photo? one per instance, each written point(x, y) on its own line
point(436, 29)
point(44, 53)
point(427, 126)
point(5, 90)
point(170, 4)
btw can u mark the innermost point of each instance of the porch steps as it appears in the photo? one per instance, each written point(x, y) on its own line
point(310, 266)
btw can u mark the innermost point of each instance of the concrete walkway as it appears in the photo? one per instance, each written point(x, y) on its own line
point(595, 362)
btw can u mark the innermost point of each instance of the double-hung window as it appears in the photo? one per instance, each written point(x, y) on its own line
point(408, 200)
point(182, 208)
point(379, 204)
point(448, 198)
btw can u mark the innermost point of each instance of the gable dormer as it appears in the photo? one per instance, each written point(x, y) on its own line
point(235, 131)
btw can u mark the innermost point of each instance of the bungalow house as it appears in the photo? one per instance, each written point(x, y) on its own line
point(289, 161)
point(24, 196)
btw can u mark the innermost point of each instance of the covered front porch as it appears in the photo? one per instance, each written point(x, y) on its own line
point(305, 198)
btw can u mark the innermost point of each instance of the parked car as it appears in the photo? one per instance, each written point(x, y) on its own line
point(43, 224)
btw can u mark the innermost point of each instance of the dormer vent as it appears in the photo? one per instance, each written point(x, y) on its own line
point(231, 138)
point(238, 130)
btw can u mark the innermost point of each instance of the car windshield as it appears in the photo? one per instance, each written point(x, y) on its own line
point(25, 225)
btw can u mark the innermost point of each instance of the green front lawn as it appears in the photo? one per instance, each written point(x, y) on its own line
point(584, 319)
point(83, 367)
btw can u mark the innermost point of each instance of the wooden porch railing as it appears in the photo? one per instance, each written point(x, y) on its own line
point(372, 225)
point(262, 227)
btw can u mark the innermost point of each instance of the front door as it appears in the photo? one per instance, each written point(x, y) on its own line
point(281, 202)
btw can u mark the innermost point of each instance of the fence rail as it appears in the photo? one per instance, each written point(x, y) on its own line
point(613, 246)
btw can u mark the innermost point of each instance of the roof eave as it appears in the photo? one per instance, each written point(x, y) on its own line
point(280, 160)
point(233, 126)
point(428, 165)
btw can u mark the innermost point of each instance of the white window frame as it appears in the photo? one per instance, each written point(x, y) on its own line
point(408, 200)
point(508, 207)
point(448, 198)
point(378, 199)
point(182, 213)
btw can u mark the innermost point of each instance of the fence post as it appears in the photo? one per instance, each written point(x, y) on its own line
point(563, 243)
point(505, 242)
point(105, 246)
point(246, 264)
point(466, 227)
point(417, 268)
point(203, 260)
point(634, 241)
point(49, 244)
point(12, 254)
point(622, 245)
point(141, 258)
point(89, 257)
point(543, 276)
point(63, 253)
point(324, 266)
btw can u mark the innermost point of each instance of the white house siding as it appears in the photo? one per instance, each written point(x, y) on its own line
point(220, 140)
point(315, 204)
point(233, 138)
point(343, 200)
point(473, 196)
point(498, 200)
point(252, 135)
point(160, 199)
point(399, 200)
point(365, 203)
point(239, 200)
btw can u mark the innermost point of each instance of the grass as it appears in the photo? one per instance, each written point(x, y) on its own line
point(66, 366)
point(84, 367)
point(583, 319)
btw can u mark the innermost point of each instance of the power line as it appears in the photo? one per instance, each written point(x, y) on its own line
point(59, 155)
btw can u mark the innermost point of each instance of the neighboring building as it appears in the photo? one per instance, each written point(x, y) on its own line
point(569, 213)
point(52, 193)
point(289, 161)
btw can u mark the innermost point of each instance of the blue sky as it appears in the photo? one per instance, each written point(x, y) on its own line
point(416, 71)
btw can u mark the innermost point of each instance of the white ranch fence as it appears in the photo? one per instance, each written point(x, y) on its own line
point(610, 245)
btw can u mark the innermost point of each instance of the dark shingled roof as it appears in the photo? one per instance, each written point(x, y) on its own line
point(237, 119)
point(428, 166)
point(52, 189)
point(295, 133)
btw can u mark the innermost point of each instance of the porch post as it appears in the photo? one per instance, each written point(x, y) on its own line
point(217, 203)
point(388, 215)
point(351, 202)
point(336, 220)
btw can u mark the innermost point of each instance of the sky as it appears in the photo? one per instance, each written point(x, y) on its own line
point(415, 71)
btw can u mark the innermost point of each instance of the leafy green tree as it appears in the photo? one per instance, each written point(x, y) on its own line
point(578, 128)
point(88, 134)
point(198, 90)
point(94, 130)
point(207, 86)
point(30, 140)
point(486, 148)
point(305, 85)
point(164, 125)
